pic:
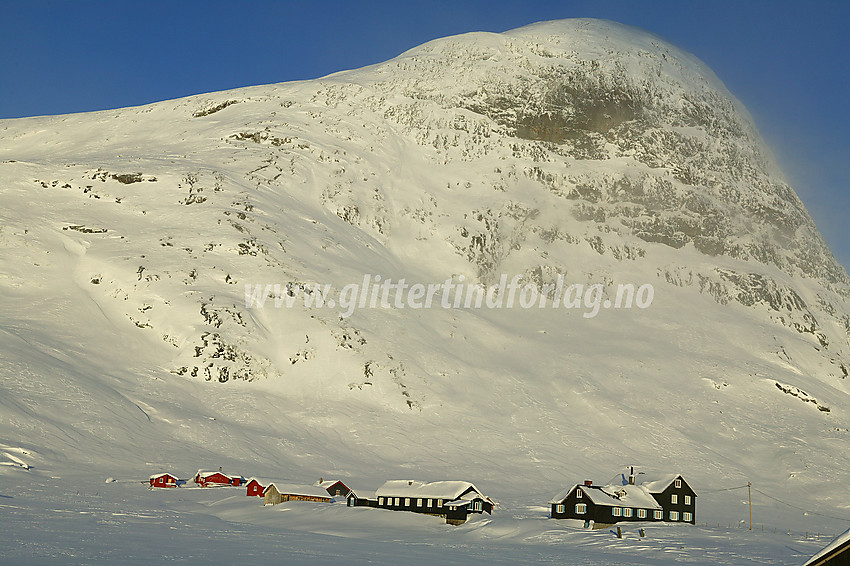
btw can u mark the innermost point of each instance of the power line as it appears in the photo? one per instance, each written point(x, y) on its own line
point(724, 489)
point(800, 508)
point(778, 501)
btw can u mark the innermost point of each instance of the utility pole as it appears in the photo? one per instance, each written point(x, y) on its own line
point(750, 500)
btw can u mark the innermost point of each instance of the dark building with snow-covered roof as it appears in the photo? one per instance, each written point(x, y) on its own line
point(836, 553)
point(335, 488)
point(628, 498)
point(454, 500)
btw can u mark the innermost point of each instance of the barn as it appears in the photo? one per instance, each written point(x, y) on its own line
point(217, 479)
point(836, 553)
point(278, 492)
point(163, 480)
point(454, 500)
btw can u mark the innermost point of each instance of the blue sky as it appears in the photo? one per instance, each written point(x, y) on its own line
point(788, 62)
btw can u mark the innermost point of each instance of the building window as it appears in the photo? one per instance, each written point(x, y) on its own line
point(407, 502)
point(687, 500)
point(397, 501)
point(581, 508)
point(674, 515)
point(478, 506)
point(627, 512)
point(430, 503)
point(687, 517)
point(381, 501)
point(617, 511)
point(674, 499)
point(579, 494)
point(641, 513)
point(439, 503)
point(560, 508)
point(678, 484)
point(419, 502)
point(658, 515)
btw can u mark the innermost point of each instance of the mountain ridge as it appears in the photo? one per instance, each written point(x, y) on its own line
point(617, 163)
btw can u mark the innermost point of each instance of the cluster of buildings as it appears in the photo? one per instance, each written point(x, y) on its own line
point(627, 497)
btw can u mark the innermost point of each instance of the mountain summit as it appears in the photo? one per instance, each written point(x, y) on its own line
point(138, 244)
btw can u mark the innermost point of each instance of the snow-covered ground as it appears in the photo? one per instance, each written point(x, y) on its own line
point(126, 347)
point(79, 519)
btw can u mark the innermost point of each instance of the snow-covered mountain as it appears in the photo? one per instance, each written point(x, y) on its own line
point(579, 151)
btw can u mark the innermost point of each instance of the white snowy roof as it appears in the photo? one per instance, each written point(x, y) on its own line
point(294, 489)
point(636, 496)
point(207, 473)
point(657, 484)
point(654, 482)
point(265, 482)
point(362, 494)
point(562, 495)
point(450, 490)
point(841, 540)
point(328, 483)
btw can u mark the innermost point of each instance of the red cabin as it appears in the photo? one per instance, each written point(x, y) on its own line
point(255, 487)
point(163, 480)
point(217, 479)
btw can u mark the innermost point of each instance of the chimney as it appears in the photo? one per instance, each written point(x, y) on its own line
point(588, 483)
point(632, 475)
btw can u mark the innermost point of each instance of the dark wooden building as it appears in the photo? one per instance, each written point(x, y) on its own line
point(361, 499)
point(335, 488)
point(836, 553)
point(676, 497)
point(628, 498)
point(453, 500)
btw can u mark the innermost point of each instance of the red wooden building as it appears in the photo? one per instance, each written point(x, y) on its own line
point(217, 479)
point(256, 487)
point(163, 480)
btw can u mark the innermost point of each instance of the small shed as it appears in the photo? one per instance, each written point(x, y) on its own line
point(836, 553)
point(361, 499)
point(278, 492)
point(163, 480)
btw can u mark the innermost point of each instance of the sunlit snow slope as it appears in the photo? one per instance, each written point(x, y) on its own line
point(578, 148)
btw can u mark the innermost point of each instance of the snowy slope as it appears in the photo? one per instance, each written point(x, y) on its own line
point(578, 148)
